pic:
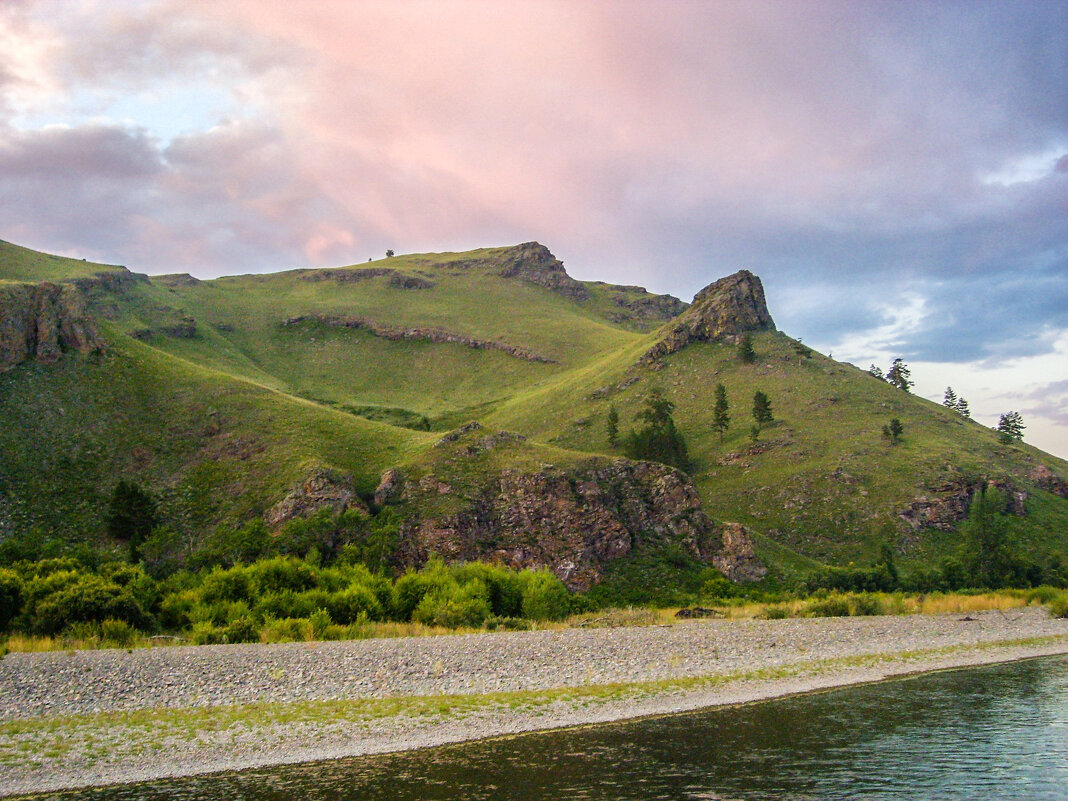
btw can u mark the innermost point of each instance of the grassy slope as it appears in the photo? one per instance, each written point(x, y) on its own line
point(22, 264)
point(827, 487)
point(829, 418)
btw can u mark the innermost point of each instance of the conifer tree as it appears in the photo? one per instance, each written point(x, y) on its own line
point(745, 350)
point(1011, 427)
point(899, 375)
point(658, 440)
point(612, 426)
point(762, 408)
point(893, 431)
point(950, 399)
point(721, 419)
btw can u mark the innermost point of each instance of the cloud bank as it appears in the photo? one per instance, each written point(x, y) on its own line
point(897, 173)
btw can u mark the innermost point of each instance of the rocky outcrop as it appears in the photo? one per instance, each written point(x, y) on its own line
point(572, 522)
point(424, 334)
point(721, 311)
point(1045, 478)
point(184, 328)
point(736, 559)
point(532, 262)
point(348, 275)
point(320, 489)
point(637, 304)
point(42, 321)
point(175, 280)
point(949, 504)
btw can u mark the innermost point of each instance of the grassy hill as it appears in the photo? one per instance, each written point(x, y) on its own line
point(220, 395)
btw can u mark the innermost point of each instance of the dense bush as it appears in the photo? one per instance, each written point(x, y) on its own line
point(544, 596)
point(10, 596)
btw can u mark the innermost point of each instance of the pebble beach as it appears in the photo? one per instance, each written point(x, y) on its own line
point(81, 718)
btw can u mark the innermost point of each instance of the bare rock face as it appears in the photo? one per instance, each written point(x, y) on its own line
point(723, 310)
point(390, 488)
point(42, 321)
point(572, 522)
point(321, 489)
point(737, 560)
point(1044, 478)
point(949, 504)
point(532, 262)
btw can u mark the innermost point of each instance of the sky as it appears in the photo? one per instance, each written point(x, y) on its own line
point(896, 172)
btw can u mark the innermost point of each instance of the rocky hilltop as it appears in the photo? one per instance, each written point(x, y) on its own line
point(41, 321)
point(729, 307)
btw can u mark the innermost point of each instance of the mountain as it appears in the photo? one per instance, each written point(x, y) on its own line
point(468, 393)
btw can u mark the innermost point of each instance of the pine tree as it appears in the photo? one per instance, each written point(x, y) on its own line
point(131, 516)
point(950, 400)
point(876, 372)
point(721, 419)
point(612, 426)
point(1011, 427)
point(658, 440)
point(745, 350)
point(962, 408)
point(762, 408)
point(893, 431)
point(899, 375)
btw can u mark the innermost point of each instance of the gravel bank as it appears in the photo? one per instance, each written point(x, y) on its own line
point(40, 692)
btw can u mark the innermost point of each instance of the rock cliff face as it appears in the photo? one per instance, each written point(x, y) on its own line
point(532, 262)
point(41, 321)
point(572, 522)
point(948, 506)
point(723, 310)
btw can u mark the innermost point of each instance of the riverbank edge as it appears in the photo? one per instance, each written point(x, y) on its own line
point(487, 716)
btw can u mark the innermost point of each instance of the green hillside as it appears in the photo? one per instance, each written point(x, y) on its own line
point(222, 395)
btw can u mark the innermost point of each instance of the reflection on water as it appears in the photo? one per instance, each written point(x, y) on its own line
point(986, 733)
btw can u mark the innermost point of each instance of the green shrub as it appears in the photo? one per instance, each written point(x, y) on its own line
point(287, 630)
point(118, 633)
point(544, 596)
point(226, 585)
point(203, 633)
point(410, 589)
point(831, 606)
point(87, 598)
point(504, 586)
point(494, 623)
point(1044, 594)
point(354, 604)
point(10, 597)
point(175, 609)
point(320, 622)
point(283, 573)
point(455, 606)
point(241, 629)
point(776, 613)
point(1058, 607)
point(866, 604)
point(289, 604)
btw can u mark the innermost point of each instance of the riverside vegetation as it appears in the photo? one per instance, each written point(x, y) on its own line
point(590, 443)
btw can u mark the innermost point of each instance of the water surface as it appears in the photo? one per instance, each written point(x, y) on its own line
point(983, 733)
